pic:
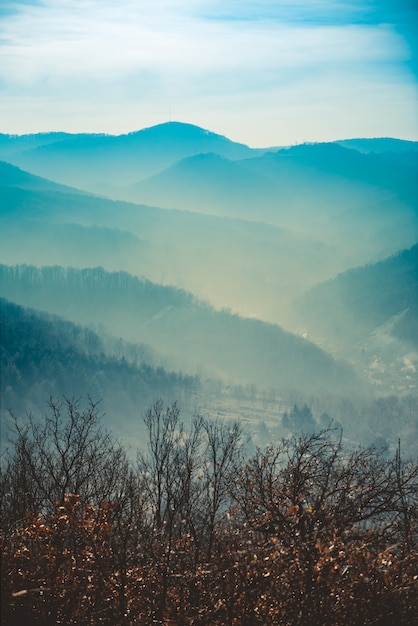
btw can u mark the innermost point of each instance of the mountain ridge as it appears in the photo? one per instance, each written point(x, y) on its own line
point(175, 322)
point(79, 228)
point(142, 152)
point(44, 356)
point(369, 315)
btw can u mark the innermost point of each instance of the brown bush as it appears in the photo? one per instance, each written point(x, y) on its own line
point(302, 532)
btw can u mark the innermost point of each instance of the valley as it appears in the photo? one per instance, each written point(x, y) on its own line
point(271, 278)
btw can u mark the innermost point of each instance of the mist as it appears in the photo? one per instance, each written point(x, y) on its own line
point(229, 265)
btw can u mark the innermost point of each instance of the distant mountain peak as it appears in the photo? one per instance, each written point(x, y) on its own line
point(179, 130)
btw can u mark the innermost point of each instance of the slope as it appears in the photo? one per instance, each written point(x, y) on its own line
point(338, 194)
point(193, 334)
point(248, 266)
point(205, 183)
point(370, 314)
point(43, 356)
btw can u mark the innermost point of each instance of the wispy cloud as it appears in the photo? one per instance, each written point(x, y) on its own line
point(187, 54)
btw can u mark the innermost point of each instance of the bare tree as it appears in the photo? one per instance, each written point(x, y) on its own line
point(324, 509)
point(222, 456)
point(303, 531)
point(187, 475)
point(66, 451)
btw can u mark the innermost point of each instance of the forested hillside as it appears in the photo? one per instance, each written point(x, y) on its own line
point(369, 315)
point(43, 357)
point(367, 297)
point(190, 332)
point(360, 300)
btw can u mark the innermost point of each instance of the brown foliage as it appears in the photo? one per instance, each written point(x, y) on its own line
point(301, 533)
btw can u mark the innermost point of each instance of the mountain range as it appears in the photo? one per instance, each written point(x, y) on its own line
point(90, 161)
point(292, 268)
point(252, 267)
point(358, 194)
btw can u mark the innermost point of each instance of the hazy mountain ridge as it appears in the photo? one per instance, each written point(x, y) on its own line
point(44, 356)
point(248, 266)
point(12, 144)
point(381, 144)
point(329, 210)
point(371, 294)
point(370, 313)
point(331, 192)
point(326, 189)
point(205, 183)
point(91, 161)
point(190, 332)
point(116, 165)
point(12, 176)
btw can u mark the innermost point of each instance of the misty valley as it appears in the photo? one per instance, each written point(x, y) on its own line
point(209, 380)
point(175, 263)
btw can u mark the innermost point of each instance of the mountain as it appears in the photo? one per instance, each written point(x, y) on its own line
point(309, 213)
point(198, 256)
point(206, 183)
point(251, 267)
point(315, 176)
point(12, 144)
point(11, 176)
point(102, 163)
point(364, 201)
point(191, 333)
point(380, 144)
point(361, 202)
point(42, 221)
point(392, 170)
point(43, 356)
point(370, 315)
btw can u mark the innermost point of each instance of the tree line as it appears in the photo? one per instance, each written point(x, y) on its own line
point(41, 354)
point(195, 530)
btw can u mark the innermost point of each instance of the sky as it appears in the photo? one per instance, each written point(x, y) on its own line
point(265, 73)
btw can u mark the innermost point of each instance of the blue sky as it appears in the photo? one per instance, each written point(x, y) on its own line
point(264, 73)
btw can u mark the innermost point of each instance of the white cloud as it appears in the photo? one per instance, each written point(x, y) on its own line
point(177, 52)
